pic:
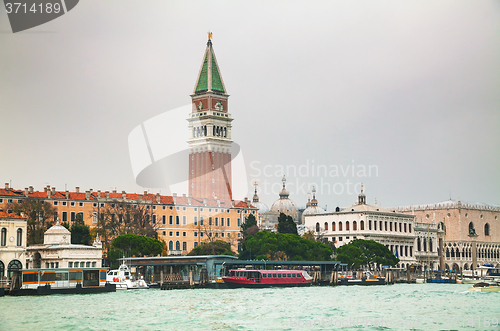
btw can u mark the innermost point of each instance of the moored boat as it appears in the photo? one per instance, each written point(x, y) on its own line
point(123, 279)
point(266, 278)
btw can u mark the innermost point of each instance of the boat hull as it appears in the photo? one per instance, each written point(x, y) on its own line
point(264, 285)
point(485, 289)
point(362, 282)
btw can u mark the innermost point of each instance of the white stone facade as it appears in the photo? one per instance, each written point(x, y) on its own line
point(12, 243)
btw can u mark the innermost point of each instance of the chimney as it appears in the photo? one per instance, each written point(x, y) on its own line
point(6, 186)
point(145, 192)
point(44, 189)
point(77, 189)
point(204, 201)
point(67, 194)
point(218, 203)
point(48, 193)
point(189, 199)
point(54, 190)
point(114, 191)
point(98, 193)
point(124, 195)
point(140, 197)
point(31, 189)
point(107, 194)
point(232, 203)
point(26, 192)
point(157, 197)
point(184, 195)
point(174, 197)
point(87, 195)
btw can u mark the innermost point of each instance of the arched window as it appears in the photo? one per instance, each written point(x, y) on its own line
point(447, 252)
point(340, 226)
point(452, 252)
point(354, 225)
point(425, 245)
point(419, 245)
point(333, 226)
point(177, 245)
point(170, 245)
point(19, 237)
point(317, 226)
point(3, 240)
point(225, 133)
point(486, 229)
point(347, 225)
point(326, 226)
point(430, 245)
point(362, 224)
point(2, 269)
point(457, 253)
point(14, 265)
point(471, 228)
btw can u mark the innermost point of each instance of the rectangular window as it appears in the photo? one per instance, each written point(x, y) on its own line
point(184, 220)
point(184, 208)
point(195, 220)
point(195, 209)
point(102, 205)
point(177, 221)
point(177, 233)
point(72, 203)
point(184, 246)
point(340, 238)
point(171, 233)
point(369, 225)
point(184, 234)
point(164, 207)
point(177, 208)
point(210, 220)
point(164, 233)
point(170, 219)
point(196, 234)
point(94, 217)
point(216, 221)
point(72, 216)
point(56, 203)
point(164, 219)
point(201, 234)
point(80, 204)
point(201, 220)
point(154, 219)
point(228, 222)
point(222, 234)
point(279, 275)
point(64, 216)
point(222, 221)
point(209, 210)
point(195, 244)
point(154, 207)
point(70, 264)
point(201, 209)
point(238, 222)
point(64, 203)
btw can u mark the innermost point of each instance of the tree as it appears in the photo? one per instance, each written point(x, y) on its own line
point(284, 246)
point(138, 245)
point(286, 224)
point(217, 247)
point(80, 233)
point(249, 227)
point(40, 215)
point(367, 253)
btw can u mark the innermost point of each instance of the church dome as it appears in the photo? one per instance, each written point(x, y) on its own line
point(313, 207)
point(262, 207)
point(284, 204)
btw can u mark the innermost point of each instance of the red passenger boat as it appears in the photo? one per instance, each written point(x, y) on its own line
point(266, 278)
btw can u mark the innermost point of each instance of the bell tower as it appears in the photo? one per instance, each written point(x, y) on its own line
point(210, 133)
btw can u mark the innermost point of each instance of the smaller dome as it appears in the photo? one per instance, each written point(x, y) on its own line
point(262, 207)
point(57, 234)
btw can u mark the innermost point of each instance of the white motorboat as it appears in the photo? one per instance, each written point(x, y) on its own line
point(124, 280)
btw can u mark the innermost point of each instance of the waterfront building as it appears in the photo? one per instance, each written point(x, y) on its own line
point(469, 232)
point(210, 133)
point(57, 251)
point(363, 221)
point(182, 222)
point(283, 205)
point(12, 244)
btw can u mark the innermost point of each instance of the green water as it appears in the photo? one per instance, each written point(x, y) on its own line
point(394, 307)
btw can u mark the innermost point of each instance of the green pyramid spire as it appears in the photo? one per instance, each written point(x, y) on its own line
point(209, 78)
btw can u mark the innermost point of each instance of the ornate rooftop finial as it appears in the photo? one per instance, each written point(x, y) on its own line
point(255, 196)
point(284, 181)
point(210, 36)
point(362, 196)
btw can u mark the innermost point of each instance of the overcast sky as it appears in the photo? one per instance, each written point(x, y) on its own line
point(406, 90)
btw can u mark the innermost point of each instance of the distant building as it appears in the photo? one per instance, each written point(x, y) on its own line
point(57, 251)
point(283, 205)
point(463, 225)
point(182, 222)
point(362, 221)
point(12, 244)
point(312, 207)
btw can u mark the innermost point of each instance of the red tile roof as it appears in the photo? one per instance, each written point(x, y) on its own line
point(164, 199)
point(8, 215)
